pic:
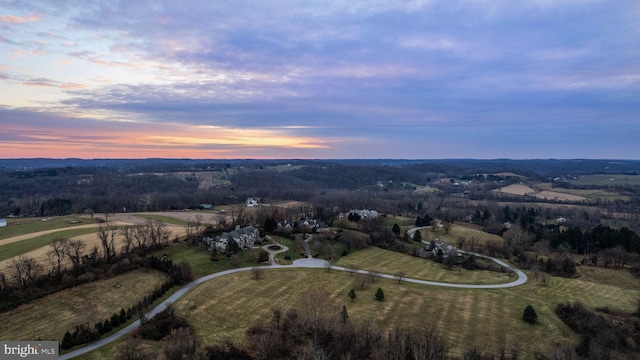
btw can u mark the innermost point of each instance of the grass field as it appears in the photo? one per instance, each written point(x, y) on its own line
point(48, 318)
point(167, 219)
point(223, 308)
point(22, 247)
point(23, 226)
point(199, 259)
point(600, 194)
point(460, 230)
point(37, 247)
point(390, 262)
point(607, 179)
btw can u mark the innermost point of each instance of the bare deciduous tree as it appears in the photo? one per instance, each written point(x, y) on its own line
point(74, 252)
point(182, 344)
point(257, 273)
point(57, 253)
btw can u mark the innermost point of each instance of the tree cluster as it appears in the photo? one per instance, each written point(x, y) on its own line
point(602, 338)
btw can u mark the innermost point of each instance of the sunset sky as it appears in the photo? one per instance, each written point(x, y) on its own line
point(320, 79)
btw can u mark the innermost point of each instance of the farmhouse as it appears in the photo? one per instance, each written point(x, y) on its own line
point(3, 222)
point(445, 249)
point(245, 238)
point(252, 202)
point(306, 225)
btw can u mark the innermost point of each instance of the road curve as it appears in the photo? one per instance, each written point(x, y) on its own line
point(299, 263)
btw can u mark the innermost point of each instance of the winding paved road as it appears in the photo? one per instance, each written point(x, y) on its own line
point(308, 262)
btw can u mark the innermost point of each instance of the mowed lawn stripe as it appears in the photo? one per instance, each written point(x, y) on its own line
point(226, 307)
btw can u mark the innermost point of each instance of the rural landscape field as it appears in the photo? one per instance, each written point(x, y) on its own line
point(320, 258)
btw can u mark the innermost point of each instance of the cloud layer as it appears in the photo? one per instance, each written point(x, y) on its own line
point(320, 79)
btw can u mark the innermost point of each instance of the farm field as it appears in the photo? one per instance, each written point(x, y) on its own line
point(599, 194)
point(50, 317)
point(30, 225)
point(223, 308)
point(525, 190)
point(37, 248)
point(607, 179)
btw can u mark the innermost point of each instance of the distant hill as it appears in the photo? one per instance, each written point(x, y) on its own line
point(527, 168)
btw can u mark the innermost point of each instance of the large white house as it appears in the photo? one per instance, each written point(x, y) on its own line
point(3, 222)
point(245, 238)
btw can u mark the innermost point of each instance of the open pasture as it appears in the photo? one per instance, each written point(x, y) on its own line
point(29, 225)
point(38, 248)
point(460, 230)
point(48, 318)
point(388, 262)
point(223, 308)
point(595, 194)
point(607, 180)
point(525, 190)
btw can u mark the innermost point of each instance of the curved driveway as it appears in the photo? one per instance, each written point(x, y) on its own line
point(299, 263)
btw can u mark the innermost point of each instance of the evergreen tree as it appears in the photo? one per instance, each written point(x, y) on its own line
point(396, 229)
point(530, 315)
point(123, 316)
point(417, 236)
point(343, 314)
point(107, 326)
point(379, 295)
point(67, 341)
point(352, 295)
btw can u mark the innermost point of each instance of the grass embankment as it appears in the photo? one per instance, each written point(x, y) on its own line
point(389, 262)
point(223, 308)
point(50, 317)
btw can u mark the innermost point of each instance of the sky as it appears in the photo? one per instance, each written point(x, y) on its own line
point(210, 79)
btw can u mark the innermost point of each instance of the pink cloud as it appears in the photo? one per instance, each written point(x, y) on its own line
point(12, 19)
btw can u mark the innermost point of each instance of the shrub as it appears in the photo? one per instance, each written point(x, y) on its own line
point(530, 315)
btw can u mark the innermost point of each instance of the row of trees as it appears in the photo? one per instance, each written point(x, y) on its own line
point(71, 263)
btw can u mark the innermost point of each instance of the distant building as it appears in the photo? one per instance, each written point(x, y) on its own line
point(3, 222)
point(252, 202)
point(245, 238)
point(206, 206)
point(365, 213)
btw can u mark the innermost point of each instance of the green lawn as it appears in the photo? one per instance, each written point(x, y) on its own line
point(28, 225)
point(200, 260)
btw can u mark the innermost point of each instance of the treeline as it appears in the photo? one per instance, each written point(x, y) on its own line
point(73, 264)
point(596, 239)
point(179, 274)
